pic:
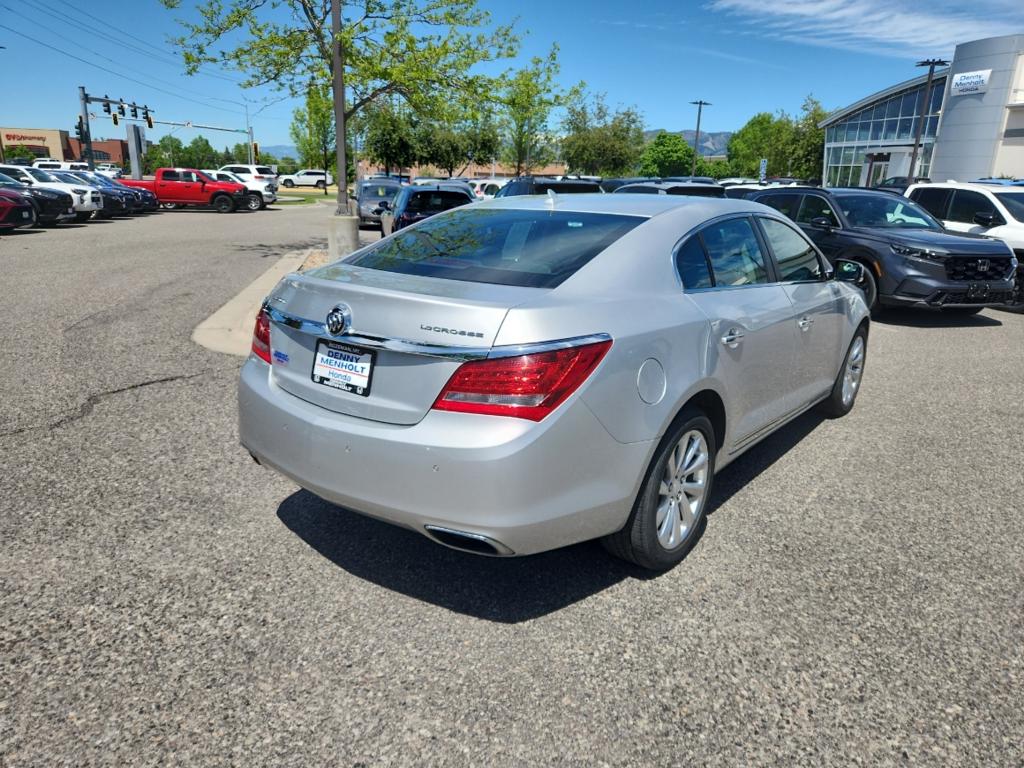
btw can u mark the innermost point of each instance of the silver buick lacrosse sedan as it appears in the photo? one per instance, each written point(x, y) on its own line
point(521, 374)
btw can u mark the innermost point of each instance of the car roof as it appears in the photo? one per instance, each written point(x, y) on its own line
point(666, 185)
point(443, 187)
point(627, 205)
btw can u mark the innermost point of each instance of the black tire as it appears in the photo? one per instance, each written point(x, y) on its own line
point(963, 310)
point(82, 216)
point(169, 206)
point(637, 541)
point(870, 289)
point(835, 406)
point(223, 204)
point(253, 202)
point(321, 185)
point(288, 183)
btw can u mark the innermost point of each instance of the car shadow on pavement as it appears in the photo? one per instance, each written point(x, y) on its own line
point(933, 318)
point(505, 590)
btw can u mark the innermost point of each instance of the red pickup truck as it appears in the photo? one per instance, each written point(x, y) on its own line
point(187, 186)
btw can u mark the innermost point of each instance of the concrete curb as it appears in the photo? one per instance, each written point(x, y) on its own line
point(229, 329)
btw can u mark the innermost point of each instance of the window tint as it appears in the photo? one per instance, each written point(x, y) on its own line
point(378, 191)
point(171, 176)
point(192, 176)
point(235, 169)
point(738, 192)
point(696, 191)
point(735, 254)
point(794, 256)
point(491, 189)
point(1014, 202)
point(635, 189)
point(434, 202)
point(538, 249)
point(966, 203)
point(933, 199)
point(784, 204)
point(692, 264)
point(814, 207)
point(264, 170)
point(564, 189)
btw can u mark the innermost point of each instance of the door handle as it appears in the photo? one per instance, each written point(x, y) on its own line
point(805, 323)
point(732, 338)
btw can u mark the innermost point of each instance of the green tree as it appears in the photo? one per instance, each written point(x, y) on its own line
point(312, 128)
point(453, 147)
point(809, 140)
point(668, 155)
point(423, 52)
point(526, 101)
point(764, 136)
point(598, 140)
point(288, 164)
point(199, 153)
point(391, 138)
point(18, 152)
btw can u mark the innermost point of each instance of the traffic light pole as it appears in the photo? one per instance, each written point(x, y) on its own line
point(83, 98)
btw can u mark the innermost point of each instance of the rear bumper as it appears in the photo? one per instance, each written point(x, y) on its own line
point(528, 486)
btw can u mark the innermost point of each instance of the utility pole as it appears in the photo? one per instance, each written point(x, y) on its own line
point(83, 99)
point(248, 132)
point(931, 64)
point(338, 67)
point(696, 139)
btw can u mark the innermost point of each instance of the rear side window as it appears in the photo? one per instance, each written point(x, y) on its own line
point(692, 263)
point(794, 256)
point(967, 202)
point(434, 202)
point(816, 207)
point(935, 200)
point(735, 254)
point(535, 249)
point(785, 204)
point(264, 170)
point(171, 176)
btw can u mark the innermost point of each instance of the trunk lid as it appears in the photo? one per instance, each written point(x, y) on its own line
point(403, 322)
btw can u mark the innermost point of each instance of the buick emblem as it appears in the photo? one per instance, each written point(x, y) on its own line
point(339, 320)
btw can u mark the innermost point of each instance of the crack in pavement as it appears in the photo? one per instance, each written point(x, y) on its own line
point(93, 400)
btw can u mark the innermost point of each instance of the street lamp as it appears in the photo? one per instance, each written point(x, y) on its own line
point(700, 103)
point(931, 64)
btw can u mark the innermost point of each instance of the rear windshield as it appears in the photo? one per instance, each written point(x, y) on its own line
point(378, 191)
point(541, 187)
point(264, 170)
point(534, 249)
point(434, 202)
point(697, 191)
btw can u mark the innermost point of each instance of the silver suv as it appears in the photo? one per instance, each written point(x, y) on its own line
point(521, 374)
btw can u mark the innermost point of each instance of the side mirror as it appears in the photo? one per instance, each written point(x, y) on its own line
point(822, 222)
point(985, 218)
point(384, 205)
point(850, 272)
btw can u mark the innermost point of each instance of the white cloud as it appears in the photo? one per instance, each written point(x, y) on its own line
point(903, 28)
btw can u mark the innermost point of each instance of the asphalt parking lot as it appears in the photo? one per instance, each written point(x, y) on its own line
point(857, 598)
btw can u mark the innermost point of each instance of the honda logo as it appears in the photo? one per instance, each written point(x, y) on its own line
point(983, 265)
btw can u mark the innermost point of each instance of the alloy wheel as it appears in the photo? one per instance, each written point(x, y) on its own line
point(853, 371)
point(681, 493)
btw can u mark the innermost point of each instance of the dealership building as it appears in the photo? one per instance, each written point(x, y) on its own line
point(973, 123)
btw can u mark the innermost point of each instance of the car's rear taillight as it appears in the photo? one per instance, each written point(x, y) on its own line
point(524, 386)
point(259, 178)
point(261, 336)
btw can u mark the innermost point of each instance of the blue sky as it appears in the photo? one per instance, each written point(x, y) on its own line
point(744, 56)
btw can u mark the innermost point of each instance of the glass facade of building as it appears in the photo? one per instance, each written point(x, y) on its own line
point(889, 122)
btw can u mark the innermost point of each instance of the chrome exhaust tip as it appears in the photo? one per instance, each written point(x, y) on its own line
point(475, 543)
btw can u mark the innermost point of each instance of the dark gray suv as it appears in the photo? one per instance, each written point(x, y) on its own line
point(911, 260)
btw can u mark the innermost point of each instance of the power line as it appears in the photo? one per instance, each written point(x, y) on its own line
point(150, 49)
point(112, 72)
point(78, 44)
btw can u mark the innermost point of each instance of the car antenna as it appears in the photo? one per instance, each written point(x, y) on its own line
point(552, 198)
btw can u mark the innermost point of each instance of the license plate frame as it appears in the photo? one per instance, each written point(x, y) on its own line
point(346, 377)
point(978, 290)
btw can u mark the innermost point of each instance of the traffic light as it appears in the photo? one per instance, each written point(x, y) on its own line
point(120, 109)
point(80, 129)
point(146, 116)
point(115, 118)
point(256, 151)
point(106, 104)
point(135, 111)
